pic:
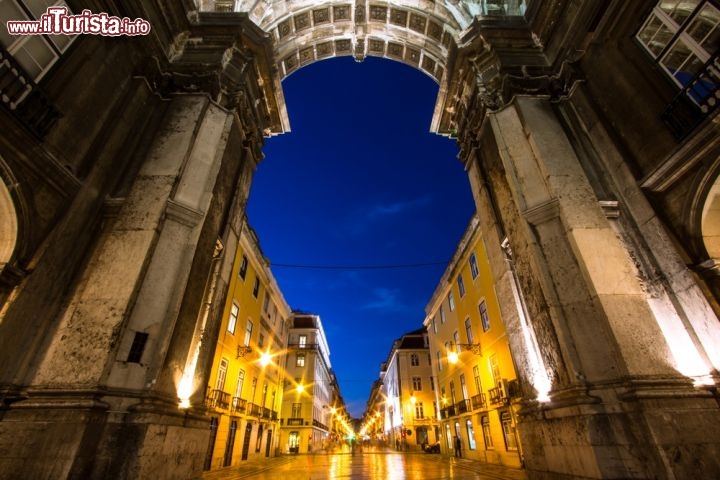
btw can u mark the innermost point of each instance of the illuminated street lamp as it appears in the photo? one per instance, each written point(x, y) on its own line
point(454, 356)
point(265, 359)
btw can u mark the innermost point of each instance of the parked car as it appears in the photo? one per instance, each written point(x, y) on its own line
point(432, 447)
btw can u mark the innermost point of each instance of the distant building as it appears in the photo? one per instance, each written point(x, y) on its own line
point(245, 393)
point(310, 387)
point(409, 393)
point(476, 379)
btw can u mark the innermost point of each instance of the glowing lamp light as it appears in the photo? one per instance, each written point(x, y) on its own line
point(453, 357)
point(413, 400)
point(184, 390)
point(300, 388)
point(265, 359)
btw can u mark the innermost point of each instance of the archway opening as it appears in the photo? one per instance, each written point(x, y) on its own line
point(711, 222)
point(360, 207)
point(8, 226)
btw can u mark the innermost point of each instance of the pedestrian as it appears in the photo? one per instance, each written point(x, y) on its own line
point(458, 447)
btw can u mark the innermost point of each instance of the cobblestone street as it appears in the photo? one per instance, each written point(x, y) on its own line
point(380, 465)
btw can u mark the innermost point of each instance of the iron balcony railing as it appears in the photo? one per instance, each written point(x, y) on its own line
point(463, 406)
point(217, 399)
point(697, 100)
point(23, 99)
point(478, 402)
point(238, 405)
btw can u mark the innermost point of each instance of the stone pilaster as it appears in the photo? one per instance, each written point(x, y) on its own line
point(615, 372)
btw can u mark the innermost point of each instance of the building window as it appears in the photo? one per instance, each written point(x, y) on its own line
point(419, 414)
point(461, 285)
point(240, 381)
point(302, 341)
point(432, 384)
point(682, 36)
point(296, 410)
point(463, 387)
point(35, 53)
point(442, 315)
point(261, 339)
point(137, 348)
point(508, 431)
point(476, 375)
point(434, 325)
point(484, 318)
point(256, 287)
point(300, 360)
point(266, 301)
point(471, 435)
point(468, 330)
point(456, 338)
point(473, 266)
point(494, 369)
point(416, 383)
point(232, 321)
point(439, 361)
point(243, 267)
point(248, 332)
point(451, 301)
point(487, 438)
point(222, 373)
point(414, 359)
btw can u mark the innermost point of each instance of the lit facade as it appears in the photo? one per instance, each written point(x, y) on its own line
point(476, 379)
point(409, 393)
point(245, 393)
point(309, 389)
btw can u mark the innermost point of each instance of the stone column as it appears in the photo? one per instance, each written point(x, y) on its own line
point(615, 380)
point(95, 369)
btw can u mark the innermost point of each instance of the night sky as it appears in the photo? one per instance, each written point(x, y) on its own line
point(361, 187)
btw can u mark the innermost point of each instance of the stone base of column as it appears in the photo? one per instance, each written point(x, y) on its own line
point(653, 430)
point(77, 436)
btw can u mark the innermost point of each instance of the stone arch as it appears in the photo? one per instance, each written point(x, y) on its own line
point(9, 227)
point(710, 221)
point(409, 33)
point(421, 33)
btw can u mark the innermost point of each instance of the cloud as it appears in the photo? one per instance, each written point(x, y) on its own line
point(386, 300)
point(397, 208)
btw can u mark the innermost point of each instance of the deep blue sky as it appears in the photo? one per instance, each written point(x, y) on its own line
point(360, 181)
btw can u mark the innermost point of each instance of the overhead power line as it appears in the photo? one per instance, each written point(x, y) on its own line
point(357, 267)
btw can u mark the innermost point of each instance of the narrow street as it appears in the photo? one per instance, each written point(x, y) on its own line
point(382, 465)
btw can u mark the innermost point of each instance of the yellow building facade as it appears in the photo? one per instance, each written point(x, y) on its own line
point(246, 382)
point(308, 408)
point(409, 394)
point(476, 378)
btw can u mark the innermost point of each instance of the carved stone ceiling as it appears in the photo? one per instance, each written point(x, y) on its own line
point(421, 33)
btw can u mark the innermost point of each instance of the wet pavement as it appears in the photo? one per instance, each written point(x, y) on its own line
point(377, 465)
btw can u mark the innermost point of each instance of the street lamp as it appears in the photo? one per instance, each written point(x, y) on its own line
point(243, 350)
point(454, 356)
point(265, 359)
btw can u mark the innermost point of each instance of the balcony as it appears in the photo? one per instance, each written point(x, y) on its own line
point(697, 100)
point(478, 402)
point(463, 407)
point(447, 412)
point(23, 99)
point(298, 422)
point(318, 424)
point(238, 405)
point(497, 396)
point(217, 399)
